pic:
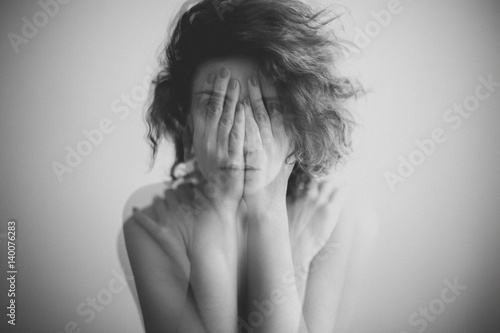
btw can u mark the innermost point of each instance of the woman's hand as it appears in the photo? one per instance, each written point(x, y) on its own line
point(169, 228)
point(270, 261)
point(218, 123)
point(267, 148)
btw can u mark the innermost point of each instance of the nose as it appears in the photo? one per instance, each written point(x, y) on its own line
point(249, 145)
point(243, 95)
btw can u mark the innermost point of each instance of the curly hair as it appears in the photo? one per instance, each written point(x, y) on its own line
point(291, 45)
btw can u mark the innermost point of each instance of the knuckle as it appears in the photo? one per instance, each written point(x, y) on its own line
point(204, 101)
point(218, 95)
point(214, 109)
point(235, 135)
point(226, 121)
point(239, 120)
point(266, 136)
point(261, 115)
point(230, 99)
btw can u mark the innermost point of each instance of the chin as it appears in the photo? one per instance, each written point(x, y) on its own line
point(251, 185)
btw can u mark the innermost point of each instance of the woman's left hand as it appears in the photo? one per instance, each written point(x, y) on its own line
point(267, 148)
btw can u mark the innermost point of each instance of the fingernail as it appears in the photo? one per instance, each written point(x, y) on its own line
point(233, 84)
point(211, 78)
point(246, 101)
point(253, 80)
point(224, 72)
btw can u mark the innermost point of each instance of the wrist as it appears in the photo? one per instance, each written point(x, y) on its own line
point(263, 203)
point(213, 229)
point(265, 213)
point(209, 197)
point(268, 195)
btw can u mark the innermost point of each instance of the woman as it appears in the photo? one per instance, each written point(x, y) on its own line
point(251, 239)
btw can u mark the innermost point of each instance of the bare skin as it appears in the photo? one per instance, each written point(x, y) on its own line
point(246, 257)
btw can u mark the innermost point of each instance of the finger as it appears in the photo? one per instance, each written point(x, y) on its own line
point(237, 137)
point(260, 113)
point(252, 135)
point(227, 117)
point(216, 105)
point(277, 119)
point(201, 102)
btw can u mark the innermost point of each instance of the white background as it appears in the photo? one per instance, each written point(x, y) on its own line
point(441, 223)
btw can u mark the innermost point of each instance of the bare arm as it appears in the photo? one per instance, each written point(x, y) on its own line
point(218, 125)
point(208, 221)
point(162, 288)
point(336, 272)
point(197, 292)
point(270, 263)
point(272, 284)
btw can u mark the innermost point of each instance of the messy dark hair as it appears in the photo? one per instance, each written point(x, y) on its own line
point(293, 47)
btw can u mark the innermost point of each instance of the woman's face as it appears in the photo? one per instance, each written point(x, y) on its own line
point(241, 69)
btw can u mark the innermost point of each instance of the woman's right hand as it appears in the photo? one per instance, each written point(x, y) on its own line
point(218, 125)
point(218, 122)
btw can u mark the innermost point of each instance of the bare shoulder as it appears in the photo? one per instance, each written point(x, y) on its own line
point(174, 194)
point(142, 198)
point(357, 213)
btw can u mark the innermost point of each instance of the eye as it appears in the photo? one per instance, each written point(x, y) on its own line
point(272, 102)
point(202, 98)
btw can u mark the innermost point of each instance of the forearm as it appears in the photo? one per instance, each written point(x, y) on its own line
point(213, 257)
point(271, 274)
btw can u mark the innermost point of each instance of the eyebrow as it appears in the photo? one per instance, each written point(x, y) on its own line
point(202, 92)
point(264, 98)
